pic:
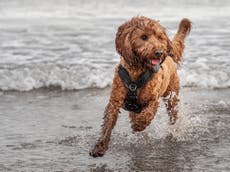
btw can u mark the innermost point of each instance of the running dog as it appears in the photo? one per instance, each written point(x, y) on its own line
point(147, 71)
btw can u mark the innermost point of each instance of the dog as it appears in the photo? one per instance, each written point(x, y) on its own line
point(147, 71)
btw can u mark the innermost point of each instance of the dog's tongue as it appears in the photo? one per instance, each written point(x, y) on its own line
point(155, 61)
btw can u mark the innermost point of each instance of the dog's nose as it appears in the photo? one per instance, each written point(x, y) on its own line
point(158, 53)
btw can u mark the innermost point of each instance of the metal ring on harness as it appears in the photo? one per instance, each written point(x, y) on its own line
point(132, 86)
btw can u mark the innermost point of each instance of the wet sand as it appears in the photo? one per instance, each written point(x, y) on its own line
point(46, 130)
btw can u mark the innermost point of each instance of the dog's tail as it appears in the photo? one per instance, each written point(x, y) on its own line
point(178, 41)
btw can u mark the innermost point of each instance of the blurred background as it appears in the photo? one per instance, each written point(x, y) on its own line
point(69, 44)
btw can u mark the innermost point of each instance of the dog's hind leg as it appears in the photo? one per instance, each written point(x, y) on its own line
point(171, 99)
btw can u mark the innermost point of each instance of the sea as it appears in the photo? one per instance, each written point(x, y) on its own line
point(69, 44)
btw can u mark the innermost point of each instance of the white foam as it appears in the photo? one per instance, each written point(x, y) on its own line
point(67, 78)
point(223, 104)
point(81, 77)
point(205, 79)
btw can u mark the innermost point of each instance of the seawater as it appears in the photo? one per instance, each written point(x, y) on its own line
point(70, 44)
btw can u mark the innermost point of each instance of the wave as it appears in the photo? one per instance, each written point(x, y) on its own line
point(26, 78)
point(66, 78)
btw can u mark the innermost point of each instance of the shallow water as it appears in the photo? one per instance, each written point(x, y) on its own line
point(58, 43)
point(54, 130)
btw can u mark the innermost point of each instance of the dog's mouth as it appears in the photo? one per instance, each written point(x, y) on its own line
point(151, 63)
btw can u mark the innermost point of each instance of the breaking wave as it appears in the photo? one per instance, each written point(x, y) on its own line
point(87, 76)
point(53, 76)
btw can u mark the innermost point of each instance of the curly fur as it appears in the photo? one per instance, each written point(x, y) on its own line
point(136, 51)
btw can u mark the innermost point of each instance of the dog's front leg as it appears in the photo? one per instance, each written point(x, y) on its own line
point(110, 117)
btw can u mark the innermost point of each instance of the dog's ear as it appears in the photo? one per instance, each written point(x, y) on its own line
point(123, 42)
point(169, 48)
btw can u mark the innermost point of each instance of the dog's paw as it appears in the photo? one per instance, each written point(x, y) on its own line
point(99, 149)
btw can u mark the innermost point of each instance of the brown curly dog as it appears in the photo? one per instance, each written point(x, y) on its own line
point(143, 44)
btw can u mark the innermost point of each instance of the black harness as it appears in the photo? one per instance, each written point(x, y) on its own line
point(131, 101)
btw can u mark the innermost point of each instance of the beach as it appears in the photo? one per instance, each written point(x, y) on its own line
point(52, 130)
point(57, 60)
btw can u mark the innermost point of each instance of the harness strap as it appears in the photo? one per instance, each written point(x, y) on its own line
point(146, 76)
point(130, 102)
point(124, 75)
point(140, 81)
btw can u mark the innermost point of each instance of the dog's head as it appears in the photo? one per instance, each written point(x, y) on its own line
point(142, 41)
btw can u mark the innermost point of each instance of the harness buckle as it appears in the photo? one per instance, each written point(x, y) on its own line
point(132, 95)
point(132, 106)
point(132, 86)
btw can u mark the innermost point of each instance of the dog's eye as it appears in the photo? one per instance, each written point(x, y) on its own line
point(144, 37)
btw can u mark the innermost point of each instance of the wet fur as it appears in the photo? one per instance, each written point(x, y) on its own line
point(134, 55)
